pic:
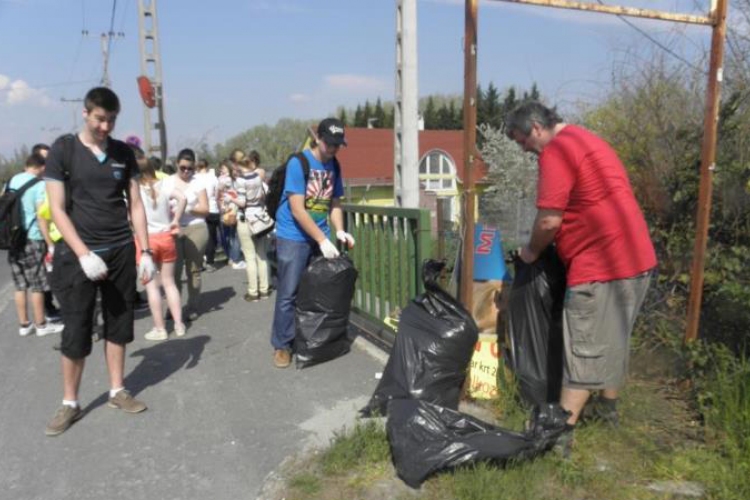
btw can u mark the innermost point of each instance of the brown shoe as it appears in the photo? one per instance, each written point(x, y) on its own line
point(64, 418)
point(125, 402)
point(282, 358)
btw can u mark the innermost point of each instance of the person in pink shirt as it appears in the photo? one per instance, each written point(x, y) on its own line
point(586, 207)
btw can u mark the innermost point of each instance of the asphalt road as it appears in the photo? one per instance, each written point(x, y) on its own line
point(221, 418)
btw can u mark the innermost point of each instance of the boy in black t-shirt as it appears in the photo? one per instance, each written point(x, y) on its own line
point(97, 252)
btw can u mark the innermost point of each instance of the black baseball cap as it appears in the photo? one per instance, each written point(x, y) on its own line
point(331, 131)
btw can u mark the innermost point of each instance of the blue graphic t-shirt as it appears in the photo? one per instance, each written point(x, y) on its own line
point(322, 186)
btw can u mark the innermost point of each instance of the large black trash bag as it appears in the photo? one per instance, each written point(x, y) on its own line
point(433, 347)
point(426, 438)
point(324, 300)
point(535, 336)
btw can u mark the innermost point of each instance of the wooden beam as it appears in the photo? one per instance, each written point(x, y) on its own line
point(618, 11)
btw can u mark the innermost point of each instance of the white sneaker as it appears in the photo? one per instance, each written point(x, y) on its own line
point(25, 330)
point(239, 265)
point(179, 330)
point(49, 328)
point(156, 334)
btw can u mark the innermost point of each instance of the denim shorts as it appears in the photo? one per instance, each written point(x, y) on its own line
point(77, 296)
point(598, 320)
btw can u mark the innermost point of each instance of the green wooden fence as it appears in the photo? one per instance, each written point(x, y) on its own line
point(391, 245)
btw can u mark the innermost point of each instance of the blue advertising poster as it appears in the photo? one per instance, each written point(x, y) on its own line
point(489, 261)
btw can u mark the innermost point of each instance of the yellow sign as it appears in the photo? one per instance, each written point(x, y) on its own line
point(484, 366)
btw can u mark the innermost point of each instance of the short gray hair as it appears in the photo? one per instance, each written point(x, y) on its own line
point(523, 117)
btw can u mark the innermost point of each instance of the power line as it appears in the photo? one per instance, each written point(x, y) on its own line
point(656, 42)
point(111, 27)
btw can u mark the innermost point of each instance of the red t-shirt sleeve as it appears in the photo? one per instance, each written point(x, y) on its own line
point(557, 176)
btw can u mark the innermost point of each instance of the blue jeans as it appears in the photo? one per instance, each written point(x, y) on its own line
point(292, 259)
point(231, 243)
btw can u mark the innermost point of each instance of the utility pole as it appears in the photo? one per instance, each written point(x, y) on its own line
point(148, 35)
point(106, 40)
point(466, 288)
point(406, 112)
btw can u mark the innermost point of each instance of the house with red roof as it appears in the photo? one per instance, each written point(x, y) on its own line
point(367, 165)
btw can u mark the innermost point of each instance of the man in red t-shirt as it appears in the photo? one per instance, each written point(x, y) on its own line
point(586, 206)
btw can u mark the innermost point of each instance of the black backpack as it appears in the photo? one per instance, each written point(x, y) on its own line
point(278, 180)
point(12, 225)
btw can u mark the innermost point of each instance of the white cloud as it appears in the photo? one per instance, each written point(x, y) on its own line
point(299, 98)
point(357, 83)
point(19, 92)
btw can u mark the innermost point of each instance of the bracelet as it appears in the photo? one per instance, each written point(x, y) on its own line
point(148, 251)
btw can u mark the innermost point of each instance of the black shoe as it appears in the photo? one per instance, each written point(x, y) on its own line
point(192, 316)
point(603, 410)
point(252, 298)
point(209, 268)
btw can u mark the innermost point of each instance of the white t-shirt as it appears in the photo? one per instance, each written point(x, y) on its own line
point(158, 211)
point(211, 183)
point(194, 187)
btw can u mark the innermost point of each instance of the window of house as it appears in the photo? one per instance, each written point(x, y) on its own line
point(437, 172)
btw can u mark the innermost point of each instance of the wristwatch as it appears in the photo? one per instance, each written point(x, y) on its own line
point(148, 251)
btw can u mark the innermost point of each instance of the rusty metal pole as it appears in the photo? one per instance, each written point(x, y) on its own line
point(470, 141)
point(708, 165)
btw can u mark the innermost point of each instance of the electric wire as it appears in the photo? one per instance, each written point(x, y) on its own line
point(111, 33)
point(656, 42)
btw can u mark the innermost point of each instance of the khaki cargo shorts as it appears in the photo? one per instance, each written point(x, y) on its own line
point(598, 320)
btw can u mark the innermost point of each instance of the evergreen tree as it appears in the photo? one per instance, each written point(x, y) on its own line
point(379, 114)
point(481, 112)
point(534, 92)
point(359, 117)
point(430, 115)
point(510, 100)
point(342, 116)
point(493, 108)
point(367, 112)
point(390, 117)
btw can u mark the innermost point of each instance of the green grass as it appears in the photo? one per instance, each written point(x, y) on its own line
point(666, 433)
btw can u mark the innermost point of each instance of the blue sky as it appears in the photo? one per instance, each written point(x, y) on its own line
point(231, 64)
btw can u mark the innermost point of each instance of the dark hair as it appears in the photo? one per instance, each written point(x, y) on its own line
point(523, 117)
point(38, 148)
point(254, 157)
point(201, 164)
point(35, 160)
point(186, 154)
point(156, 162)
point(102, 97)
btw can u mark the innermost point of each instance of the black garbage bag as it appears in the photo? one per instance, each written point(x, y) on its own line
point(535, 334)
point(433, 348)
point(324, 299)
point(426, 438)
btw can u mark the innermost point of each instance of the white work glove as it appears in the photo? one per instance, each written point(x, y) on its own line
point(146, 268)
point(328, 249)
point(345, 238)
point(93, 266)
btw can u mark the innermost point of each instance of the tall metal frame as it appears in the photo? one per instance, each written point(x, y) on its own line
point(153, 118)
point(717, 20)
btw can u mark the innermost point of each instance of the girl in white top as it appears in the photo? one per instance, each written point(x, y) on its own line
point(252, 202)
point(162, 225)
point(191, 242)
